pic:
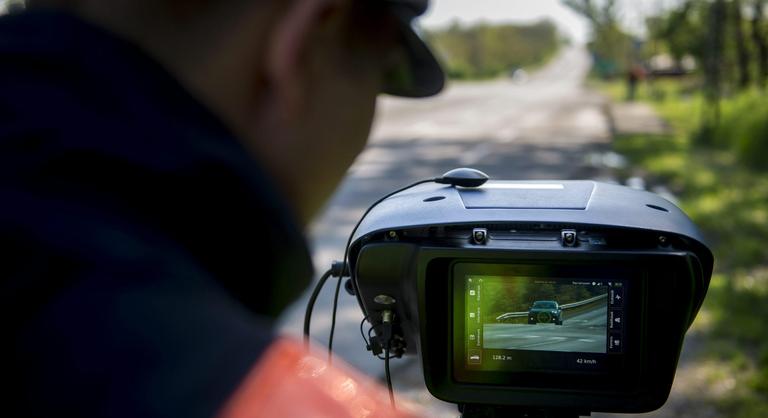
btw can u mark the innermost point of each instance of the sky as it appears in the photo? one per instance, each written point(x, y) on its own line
point(443, 12)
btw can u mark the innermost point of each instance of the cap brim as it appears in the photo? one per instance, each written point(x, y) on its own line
point(418, 74)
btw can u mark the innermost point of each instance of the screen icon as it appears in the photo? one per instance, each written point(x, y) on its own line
point(474, 356)
point(616, 319)
point(615, 343)
point(617, 297)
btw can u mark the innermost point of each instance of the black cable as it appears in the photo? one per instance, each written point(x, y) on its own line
point(346, 251)
point(311, 305)
point(388, 377)
point(333, 319)
point(370, 337)
point(367, 343)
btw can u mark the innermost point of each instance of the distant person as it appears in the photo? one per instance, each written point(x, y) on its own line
point(635, 74)
point(159, 161)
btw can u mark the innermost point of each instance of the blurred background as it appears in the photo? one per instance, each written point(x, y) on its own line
point(663, 95)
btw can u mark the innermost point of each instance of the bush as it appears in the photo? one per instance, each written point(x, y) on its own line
point(744, 127)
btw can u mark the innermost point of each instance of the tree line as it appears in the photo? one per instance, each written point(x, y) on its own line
point(518, 295)
point(485, 50)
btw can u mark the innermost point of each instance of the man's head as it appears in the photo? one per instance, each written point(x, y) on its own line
point(296, 80)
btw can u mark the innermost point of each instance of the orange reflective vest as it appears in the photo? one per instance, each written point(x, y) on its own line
point(289, 381)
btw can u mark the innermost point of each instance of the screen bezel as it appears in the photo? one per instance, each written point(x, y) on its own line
point(662, 304)
point(550, 367)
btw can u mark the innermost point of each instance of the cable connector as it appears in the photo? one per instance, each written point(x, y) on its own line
point(375, 347)
point(382, 341)
point(386, 316)
point(385, 334)
point(339, 269)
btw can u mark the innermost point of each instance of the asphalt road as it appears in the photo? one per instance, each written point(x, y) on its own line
point(584, 333)
point(550, 127)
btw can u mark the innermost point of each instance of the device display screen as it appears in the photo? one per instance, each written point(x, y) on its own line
point(528, 318)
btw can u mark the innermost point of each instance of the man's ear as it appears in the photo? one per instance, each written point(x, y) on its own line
point(289, 44)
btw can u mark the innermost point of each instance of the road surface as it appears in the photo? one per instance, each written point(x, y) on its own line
point(585, 333)
point(548, 128)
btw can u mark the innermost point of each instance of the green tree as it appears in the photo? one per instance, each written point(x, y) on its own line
point(611, 47)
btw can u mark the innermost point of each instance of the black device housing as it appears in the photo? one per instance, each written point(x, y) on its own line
point(407, 245)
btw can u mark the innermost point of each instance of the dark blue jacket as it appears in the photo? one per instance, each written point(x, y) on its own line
point(144, 253)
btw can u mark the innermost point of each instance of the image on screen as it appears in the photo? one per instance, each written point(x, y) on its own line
point(527, 313)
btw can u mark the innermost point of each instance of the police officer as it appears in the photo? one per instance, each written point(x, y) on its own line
point(159, 160)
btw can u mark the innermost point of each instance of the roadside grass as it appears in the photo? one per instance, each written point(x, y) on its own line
point(723, 187)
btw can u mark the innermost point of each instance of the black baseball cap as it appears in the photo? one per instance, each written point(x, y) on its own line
point(419, 74)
